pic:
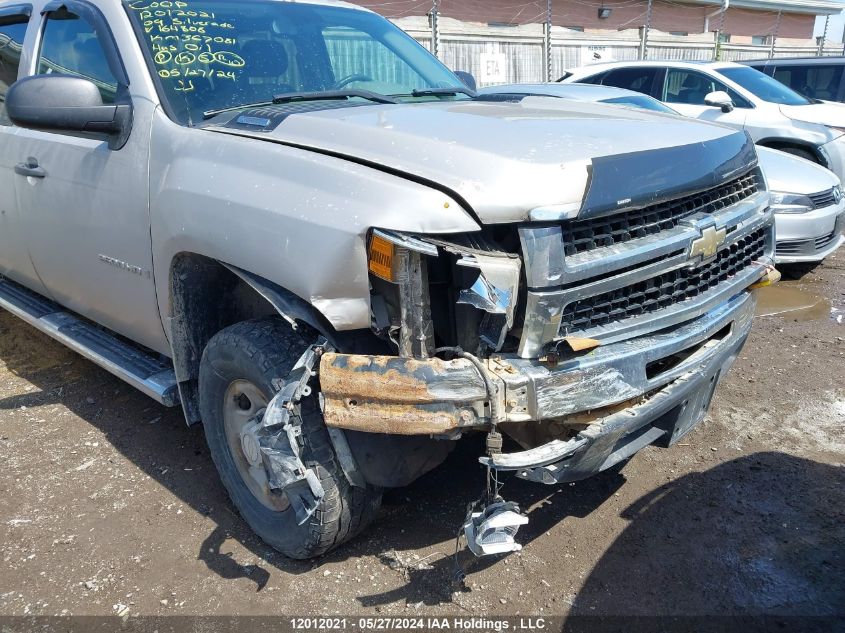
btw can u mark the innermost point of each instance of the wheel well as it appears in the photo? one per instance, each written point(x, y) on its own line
point(784, 145)
point(207, 296)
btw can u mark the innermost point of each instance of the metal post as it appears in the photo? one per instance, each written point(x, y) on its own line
point(435, 28)
point(644, 32)
point(823, 38)
point(717, 50)
point(547, 40)
point(775, 35)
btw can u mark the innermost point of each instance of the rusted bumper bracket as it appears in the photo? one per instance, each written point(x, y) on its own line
point(386, 394)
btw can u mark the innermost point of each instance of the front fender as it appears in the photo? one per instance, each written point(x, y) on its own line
point(294, 217)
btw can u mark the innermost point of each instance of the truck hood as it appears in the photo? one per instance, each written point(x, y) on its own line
point(508, 162)
point(826, 113)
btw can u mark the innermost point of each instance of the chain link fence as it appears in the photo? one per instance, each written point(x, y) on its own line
point(521, 41)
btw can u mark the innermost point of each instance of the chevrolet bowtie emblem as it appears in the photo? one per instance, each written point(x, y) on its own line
point(709, 242)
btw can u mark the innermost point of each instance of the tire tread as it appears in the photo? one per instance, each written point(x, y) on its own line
point(345, 510)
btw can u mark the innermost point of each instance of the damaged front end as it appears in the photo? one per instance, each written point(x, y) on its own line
point(583, 339)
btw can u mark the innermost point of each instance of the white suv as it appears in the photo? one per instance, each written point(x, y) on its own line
point(738, 96)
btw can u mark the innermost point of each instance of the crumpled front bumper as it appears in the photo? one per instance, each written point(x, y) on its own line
point(623, 396)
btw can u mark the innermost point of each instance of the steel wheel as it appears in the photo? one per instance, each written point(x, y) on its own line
point(240, 372)
point(243, 400)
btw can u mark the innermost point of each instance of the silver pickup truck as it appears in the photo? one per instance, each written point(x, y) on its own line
point(291, 220)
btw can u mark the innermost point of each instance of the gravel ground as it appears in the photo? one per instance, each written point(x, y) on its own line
point(110, 504)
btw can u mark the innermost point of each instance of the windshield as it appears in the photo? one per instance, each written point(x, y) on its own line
point(763, 86)
point(642, 102)
point(211, 55)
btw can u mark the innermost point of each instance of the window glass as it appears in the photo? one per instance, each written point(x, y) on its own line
point(358, 60)
point(11, 41)
point(595, 79)
point(761, 85)
point(690, 87)
point(636, 79)
point(70, 46)
point(814, 81)
point(254, 50)
point(784, 75)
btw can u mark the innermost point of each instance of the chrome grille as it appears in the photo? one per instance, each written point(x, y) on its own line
point(823, 199)
point(666, 289)
point(586, 235)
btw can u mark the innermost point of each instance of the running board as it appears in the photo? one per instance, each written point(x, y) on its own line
point(141, 369)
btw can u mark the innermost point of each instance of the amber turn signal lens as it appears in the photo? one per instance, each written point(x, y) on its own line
point(380, 256)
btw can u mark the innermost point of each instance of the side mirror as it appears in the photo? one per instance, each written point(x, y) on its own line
point(719, 99)
point(468, 79)
point(67, 104)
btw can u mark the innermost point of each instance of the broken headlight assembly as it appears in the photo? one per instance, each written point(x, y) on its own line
point(455, 295)
point(444, 291)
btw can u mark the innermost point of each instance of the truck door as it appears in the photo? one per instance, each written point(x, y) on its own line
point(86, 206)
point(684, 90)
point(14, 257)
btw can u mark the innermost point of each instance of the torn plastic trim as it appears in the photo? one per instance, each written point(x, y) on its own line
point(277, 433)
point(494, 292)
point(290, 307)
point(497, 285)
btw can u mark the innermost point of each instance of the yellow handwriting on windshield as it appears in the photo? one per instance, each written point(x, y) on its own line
point(188, 42)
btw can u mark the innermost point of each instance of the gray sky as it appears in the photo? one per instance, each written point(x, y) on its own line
point(834, 29)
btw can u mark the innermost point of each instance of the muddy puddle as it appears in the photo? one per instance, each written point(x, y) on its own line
point(789, 301)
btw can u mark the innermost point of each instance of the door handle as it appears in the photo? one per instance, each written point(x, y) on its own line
point(30, 168)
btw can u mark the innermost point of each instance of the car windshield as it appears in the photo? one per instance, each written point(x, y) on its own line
point(210, 55)
point(763, 86)
point(640, 101)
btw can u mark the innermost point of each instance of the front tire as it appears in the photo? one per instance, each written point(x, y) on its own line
point(240, 372)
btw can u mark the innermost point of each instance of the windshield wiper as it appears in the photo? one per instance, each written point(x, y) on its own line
point(442, 92)
point(290, 97)
point(208, 114)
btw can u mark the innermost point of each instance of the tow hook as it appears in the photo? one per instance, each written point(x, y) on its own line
point(491, 523)
point(273, 438)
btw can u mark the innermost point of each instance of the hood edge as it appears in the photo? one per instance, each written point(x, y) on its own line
point(465, 206)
